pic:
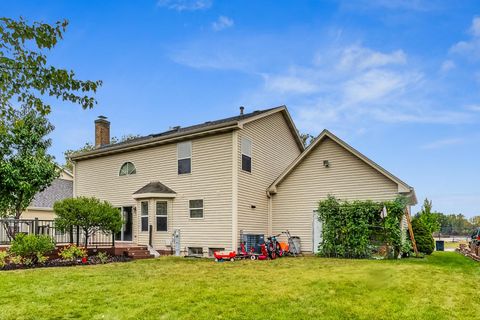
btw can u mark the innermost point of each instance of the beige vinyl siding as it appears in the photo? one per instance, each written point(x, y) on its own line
point(41, 214)
point(273, 149)
point(347, 178)
point(210, 179)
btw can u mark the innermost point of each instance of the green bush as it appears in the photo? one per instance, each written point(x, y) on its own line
point(3, 258)
point(102, 257)
point(423, 237)
point(72, 252)
point(31, 248)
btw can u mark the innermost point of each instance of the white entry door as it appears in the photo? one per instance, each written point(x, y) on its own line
point(317, 231)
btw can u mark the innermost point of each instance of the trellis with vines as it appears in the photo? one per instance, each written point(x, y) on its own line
point(357, 229)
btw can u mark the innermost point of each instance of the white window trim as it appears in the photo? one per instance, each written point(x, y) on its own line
point(248, 155)
point(142, 216)
point(128, 174)
point(160, 215)
point(203, 209)
point(191, 162)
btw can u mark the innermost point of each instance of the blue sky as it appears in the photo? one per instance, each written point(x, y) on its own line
point(397, 79)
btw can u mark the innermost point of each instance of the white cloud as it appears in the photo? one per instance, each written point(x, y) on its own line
point(361, 58)
point(443, 143)
point(376, 84)
point(475, 108)
point(471, 47)
point(289, 84)
point(222, 23)
point(185, 5)
point(411, 5)
point(447, 65)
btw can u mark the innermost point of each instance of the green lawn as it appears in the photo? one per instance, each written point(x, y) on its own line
point(443, 286)
point(454, 245)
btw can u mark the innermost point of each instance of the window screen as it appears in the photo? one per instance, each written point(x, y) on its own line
point(161, 216)
point(246, 155)
point(184, 156)
point(196, 208)
point(144, 216)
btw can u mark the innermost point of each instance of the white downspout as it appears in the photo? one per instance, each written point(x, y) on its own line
point(234, 190)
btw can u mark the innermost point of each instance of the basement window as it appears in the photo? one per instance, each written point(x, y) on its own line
point(195, 251)
point(184, 157)
point(246, 155)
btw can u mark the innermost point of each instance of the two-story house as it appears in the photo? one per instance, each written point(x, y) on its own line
point(212, 181)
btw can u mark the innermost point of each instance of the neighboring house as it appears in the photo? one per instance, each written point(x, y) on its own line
point(42, 204)
point(213, 181)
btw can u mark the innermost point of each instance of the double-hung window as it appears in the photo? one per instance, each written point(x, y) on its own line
point(184, 156)
point(161, 216)
point(196, 209)
point(144, 216)
point(246, 155)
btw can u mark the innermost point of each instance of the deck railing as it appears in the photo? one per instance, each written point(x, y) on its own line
point(47, 227)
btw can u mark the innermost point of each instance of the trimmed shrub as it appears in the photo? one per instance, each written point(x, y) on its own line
point(3, 258)
point(31, 248)
point(72, 253)
point(423, 237)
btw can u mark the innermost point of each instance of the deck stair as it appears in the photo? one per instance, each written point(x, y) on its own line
point(138, 252)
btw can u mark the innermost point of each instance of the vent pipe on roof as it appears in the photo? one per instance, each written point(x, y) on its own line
point(241, 110)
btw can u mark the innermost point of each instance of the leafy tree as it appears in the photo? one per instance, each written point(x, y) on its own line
point(475, 221)
point(306, 138)
point(26, 79)
point(89, 214)
point(25, 166)
point(25, 75)
point(89, 147)
point(429, 219)
point(423, 236)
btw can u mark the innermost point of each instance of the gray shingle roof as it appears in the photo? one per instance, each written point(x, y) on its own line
point(59, 189)
point(176, 130)
point(154, 187)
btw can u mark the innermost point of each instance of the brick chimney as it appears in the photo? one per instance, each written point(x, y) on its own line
point(102, 131)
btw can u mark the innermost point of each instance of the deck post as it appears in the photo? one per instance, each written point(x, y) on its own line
point(150, 234)
point(35, 226)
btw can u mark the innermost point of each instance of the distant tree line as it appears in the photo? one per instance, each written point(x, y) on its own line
point(446, 224)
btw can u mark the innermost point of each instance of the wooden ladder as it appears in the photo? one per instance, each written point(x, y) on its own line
point(410, 231)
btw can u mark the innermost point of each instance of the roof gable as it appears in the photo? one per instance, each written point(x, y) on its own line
point(402, 186)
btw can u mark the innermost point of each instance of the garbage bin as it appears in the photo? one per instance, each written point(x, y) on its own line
point(294, 245)
point(440, 245)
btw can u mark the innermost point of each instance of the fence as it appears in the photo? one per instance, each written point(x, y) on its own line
point(47, 227)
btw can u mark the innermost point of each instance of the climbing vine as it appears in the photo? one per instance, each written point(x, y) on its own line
point(354, 229)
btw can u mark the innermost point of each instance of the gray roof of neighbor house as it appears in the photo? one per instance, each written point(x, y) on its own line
point(178, 132)
point(154, 187)
point(59, 189)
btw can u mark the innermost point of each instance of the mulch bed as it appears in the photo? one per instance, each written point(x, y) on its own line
point(63, 263)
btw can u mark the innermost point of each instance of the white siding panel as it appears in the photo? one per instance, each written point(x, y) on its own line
point(347, 178)
point(210, 179)
point(273, 149)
